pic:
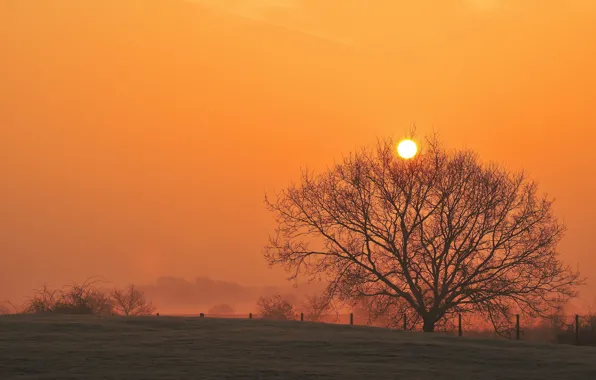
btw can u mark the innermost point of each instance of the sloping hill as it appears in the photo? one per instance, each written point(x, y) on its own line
point(176, 348)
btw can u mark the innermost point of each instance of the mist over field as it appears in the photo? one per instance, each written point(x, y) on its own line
point(177, 296)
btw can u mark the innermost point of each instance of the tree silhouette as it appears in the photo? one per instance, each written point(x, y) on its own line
point(76, 298)
point(275, 307)
point(130, 301)
point(223, 309)
point(428, 237)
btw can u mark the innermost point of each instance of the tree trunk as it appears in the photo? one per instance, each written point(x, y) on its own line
point(429, 324)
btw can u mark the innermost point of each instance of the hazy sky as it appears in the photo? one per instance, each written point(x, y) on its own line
point(138, 137)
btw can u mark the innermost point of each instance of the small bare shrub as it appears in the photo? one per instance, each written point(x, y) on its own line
point(223, 309)
point(75, 298)
point(43, 301)
point(130, 301)
point(83, 298)
point(275, 307)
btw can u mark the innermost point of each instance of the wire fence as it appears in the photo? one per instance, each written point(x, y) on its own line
point(562, 329)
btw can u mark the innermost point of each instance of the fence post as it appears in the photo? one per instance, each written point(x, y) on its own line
point(301, 317)
point(577, 329)
point(249, 315)
point(351, 319)
point(459, 324)
point(517, 326)
point(405, 322)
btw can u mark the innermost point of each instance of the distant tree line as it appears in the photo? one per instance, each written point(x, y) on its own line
point(84, 299)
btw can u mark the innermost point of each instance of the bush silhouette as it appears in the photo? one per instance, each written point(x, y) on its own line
point(275, 307)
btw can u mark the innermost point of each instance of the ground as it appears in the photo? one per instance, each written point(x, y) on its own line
point(43, 347)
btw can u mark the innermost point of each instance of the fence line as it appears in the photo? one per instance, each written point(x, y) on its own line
point(580, 331)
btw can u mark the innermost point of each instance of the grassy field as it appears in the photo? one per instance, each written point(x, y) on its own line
point(42, 347)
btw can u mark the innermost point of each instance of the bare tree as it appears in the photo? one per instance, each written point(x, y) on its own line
point(130, 301)
point(276, 307)
point(435, 235)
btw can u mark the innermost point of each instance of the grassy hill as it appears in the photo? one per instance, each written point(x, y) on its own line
point(34, 347)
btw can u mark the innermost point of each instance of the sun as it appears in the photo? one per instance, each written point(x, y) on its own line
point(407, 149)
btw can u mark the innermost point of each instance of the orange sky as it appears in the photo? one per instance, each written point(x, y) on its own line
point(138, 137)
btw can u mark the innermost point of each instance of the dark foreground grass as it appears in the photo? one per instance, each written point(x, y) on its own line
point(42, 347)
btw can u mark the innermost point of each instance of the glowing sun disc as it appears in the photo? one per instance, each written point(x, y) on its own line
point(407, 149)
